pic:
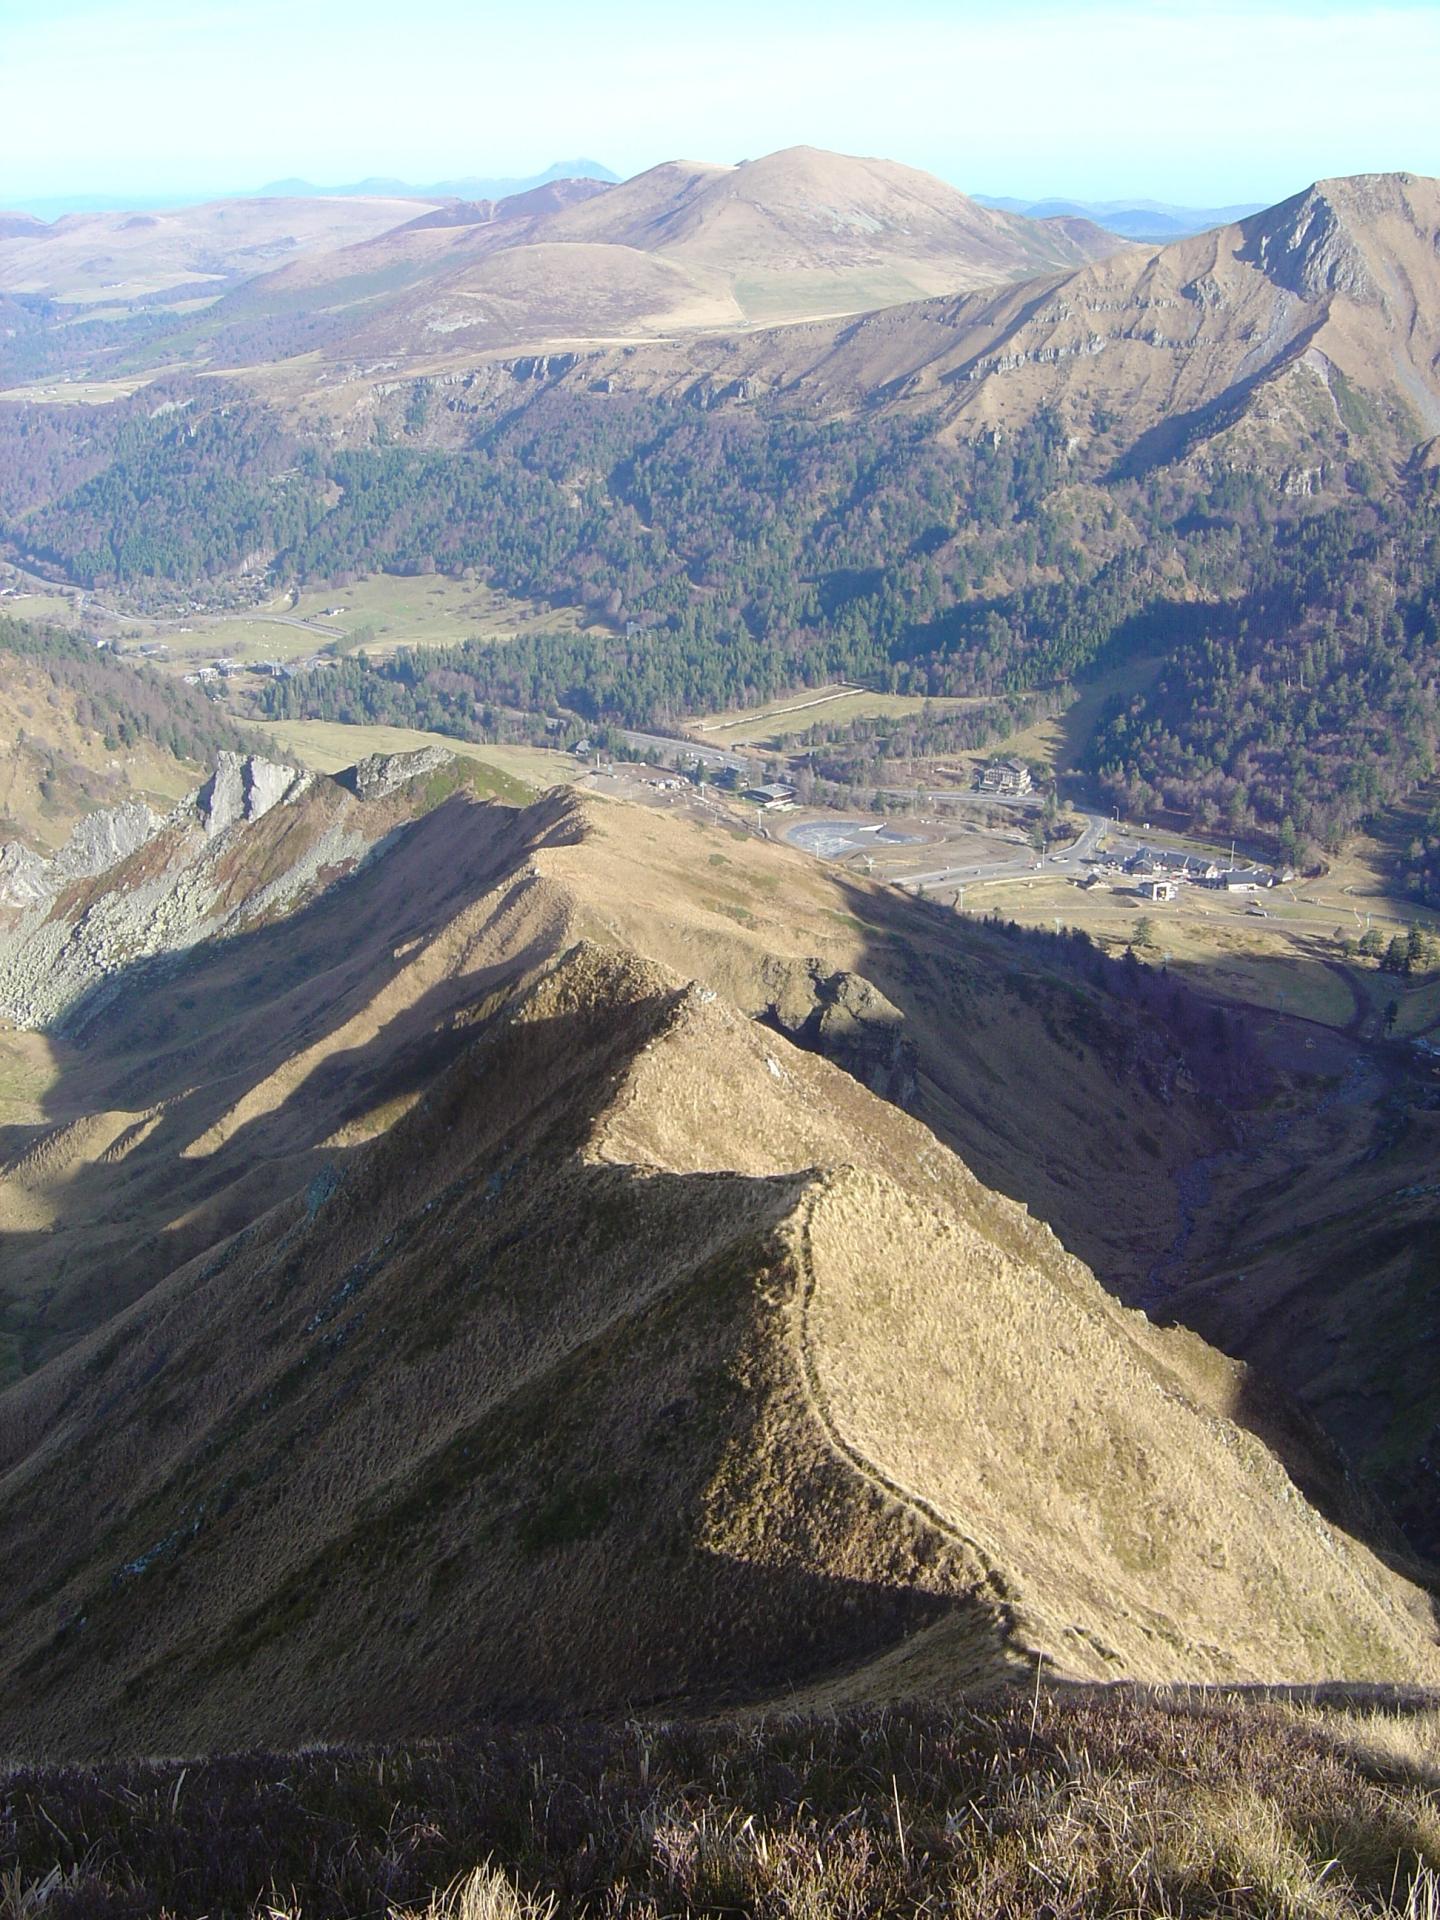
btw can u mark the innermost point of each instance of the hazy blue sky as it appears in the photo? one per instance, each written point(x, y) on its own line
point(1204, 104)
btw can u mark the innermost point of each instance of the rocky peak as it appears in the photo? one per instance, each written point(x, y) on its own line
point(245, 787)
point(1311, 244)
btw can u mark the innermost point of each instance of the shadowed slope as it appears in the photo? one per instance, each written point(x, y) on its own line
point(506, 1417)
point(229, 1010)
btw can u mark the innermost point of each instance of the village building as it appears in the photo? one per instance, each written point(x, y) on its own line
point(1004, 776)
point(1169, 860)
point(1158, 889)
point(776, 797)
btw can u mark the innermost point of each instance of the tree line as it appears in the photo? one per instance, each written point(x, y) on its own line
point(720, 557)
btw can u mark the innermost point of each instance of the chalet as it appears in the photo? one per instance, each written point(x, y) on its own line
point(1242, 880)
point(1158, 889)
point(1004, 776)
point(774, 798)
point(1170, 861)
point(1186, 866)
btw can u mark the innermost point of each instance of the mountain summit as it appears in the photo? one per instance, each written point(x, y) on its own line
point(686, 246)
point(1282, 342)
point(804, 212)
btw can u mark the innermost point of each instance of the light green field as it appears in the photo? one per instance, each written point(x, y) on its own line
point(1060, 743)
point(777, 720)
point(83, 392)
point(196, 642)
point(78, 393)
point(414, 610)
point(768, 298)
point(328, 745)
point(410, 611)
point(59, 607)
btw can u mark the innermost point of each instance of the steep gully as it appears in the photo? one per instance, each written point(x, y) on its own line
point(1364, 1081)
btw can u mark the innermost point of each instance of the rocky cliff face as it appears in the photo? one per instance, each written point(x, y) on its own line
point(849, 1020)
point(245, 787)
point(98, 842)
point(1313, 245)
point(132, 889)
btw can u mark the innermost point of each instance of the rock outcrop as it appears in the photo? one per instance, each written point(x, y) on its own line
point(381, 774)
point(139, 892)
point(98, 842)
point(245, 787)
point(849, 1020)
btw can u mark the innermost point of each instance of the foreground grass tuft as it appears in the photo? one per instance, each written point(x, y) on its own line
point(1069, 1805)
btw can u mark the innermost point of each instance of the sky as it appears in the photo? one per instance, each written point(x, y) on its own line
point(1201, 105)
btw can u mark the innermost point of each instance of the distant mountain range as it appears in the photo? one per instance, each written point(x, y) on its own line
point(470, 186)
point(471, 264)
point(1131, 219)
point(1261, 331)
point(687, 245)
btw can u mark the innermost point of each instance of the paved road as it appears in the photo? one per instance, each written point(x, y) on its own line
point(216, 622)
point(1065, 861)
point(668, 744)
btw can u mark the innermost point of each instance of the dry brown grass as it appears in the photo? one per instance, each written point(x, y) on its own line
point(486, 1893)
point(1021, 1807)
point(1403, 1739)
point(623, 1394)
point(654, 1359)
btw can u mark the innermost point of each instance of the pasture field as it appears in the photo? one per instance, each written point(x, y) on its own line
point(27, 604)
point(778, 720)
point(393, 611)
point(1288, 961)
point(416, 610)
point(1059, 744)
point(78, 393)
point(197, 641)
